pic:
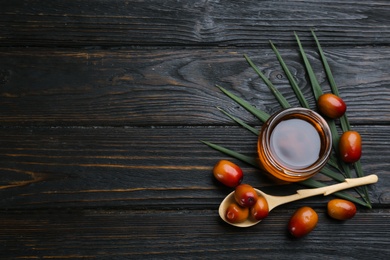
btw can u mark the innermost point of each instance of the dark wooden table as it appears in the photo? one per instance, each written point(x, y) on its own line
point(103, 104)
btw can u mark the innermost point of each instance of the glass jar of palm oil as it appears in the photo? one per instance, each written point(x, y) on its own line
point(294, 144)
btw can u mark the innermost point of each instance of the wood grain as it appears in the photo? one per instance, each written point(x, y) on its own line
point(139, 167)
point(171, 87)
point(200, 23)
point(166, 235)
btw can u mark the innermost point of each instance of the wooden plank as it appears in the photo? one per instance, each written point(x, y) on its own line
point(227, 23)
point(129, 234)
point(176, 87)
point(142, 167)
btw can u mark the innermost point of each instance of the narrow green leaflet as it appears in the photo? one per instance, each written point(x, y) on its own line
point(335, 176)
point(333, 161)
point(291, 79)
point(249, 160)
point(345, 123)
point(261, 115)
point(326, 66)
point(313, 80)
point(240, 122)
point(359, 173)
point(282, 100)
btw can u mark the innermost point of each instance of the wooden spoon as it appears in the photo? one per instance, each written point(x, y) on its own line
point(274, 201)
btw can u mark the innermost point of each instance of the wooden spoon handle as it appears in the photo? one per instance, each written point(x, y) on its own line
point(274, 201)
point(348, 183)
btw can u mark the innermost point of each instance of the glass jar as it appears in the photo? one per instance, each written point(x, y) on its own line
point(294, 144)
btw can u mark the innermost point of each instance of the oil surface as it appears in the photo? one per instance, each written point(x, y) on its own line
point(295, 143)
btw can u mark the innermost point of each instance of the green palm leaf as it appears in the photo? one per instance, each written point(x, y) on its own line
point(263, 116)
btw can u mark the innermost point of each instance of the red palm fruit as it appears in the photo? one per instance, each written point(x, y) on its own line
point(228, 173)
point(245, 195)
point(236, 213)
point(331, 105)
point(350, 146)
point(302, 222)
point(341, 209)
point(260, 210)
